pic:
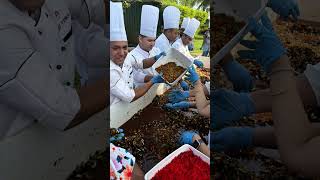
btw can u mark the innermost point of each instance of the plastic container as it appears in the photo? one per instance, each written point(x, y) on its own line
point(241, 11)
point(173, 55)
point(150, 174)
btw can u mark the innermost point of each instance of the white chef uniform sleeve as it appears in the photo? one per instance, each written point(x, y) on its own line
point(88, 11)
point(134, 61)
point(138, 75)
point(91, 45)
point(119, 88)
point(180, 48)
point(28, 85)
point(92, 50)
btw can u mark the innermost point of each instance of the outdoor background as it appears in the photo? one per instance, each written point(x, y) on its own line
point(191, 8)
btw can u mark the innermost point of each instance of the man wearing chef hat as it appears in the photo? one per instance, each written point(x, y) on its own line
point(186, 38)
point(145, 48)
point(38, 66)
point(171, 19)
point(121, 70)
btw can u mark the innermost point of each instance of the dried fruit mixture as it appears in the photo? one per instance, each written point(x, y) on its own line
point(170, 71)
point(225, 28)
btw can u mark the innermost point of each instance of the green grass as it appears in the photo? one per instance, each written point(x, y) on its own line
point(197, 45)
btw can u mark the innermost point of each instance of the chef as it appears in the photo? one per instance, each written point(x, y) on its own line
point(186, 38)
point(184, 24)
point(171, 19)
point(145, 48)
point(121, 70)
point(38, 66)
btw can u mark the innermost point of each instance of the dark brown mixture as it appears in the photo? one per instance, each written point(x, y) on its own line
point(224, 29)
point(170, 71)
point(302, 43)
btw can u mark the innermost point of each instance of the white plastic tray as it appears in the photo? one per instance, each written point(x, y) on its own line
point(241, 10)
point(173, 55)
point(171, 156)
point(122, 111)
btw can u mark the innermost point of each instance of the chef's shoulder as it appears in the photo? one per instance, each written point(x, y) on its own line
point(15, 49)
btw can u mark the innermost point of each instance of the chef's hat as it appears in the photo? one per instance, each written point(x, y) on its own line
point(117, 28)
point(149, 21)
point(171, 17)
point(185, 22)
point(192, 27)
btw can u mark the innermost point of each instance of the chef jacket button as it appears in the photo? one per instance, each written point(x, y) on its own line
point(63, 48)
point(68, 83)
point(58, 66)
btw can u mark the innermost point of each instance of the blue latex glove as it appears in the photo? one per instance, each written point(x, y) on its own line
point(186, 137)
point(285, 8)
point(228, 107)
point(178, 95)
point(184, 85)
point(239, 76)
point(159, 56)
point(232, 139)
point(157, 79)
point(267, 49)
point(193, 75)
point(179, 105)
point(117, 137)
point(198, 63)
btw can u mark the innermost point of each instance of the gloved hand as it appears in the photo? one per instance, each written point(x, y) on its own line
point(186, 137)
point(179, 105)
point(198, 63)
point(184, 85)
point(285, 8)
point(238, 75)
point(267, 49)
point(157, 79)
point(229, 107)
point(159, 55)
point(231, 139)
point(116, 134)
point(193, 75)
point(178, 96)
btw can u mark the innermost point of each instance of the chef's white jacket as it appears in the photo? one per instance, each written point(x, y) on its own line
point(121, 82)
point(183, 49)
point(138, 55)
point(38, 65)
point(163, 43)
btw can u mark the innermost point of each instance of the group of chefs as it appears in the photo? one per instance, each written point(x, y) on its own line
point(131, 75)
